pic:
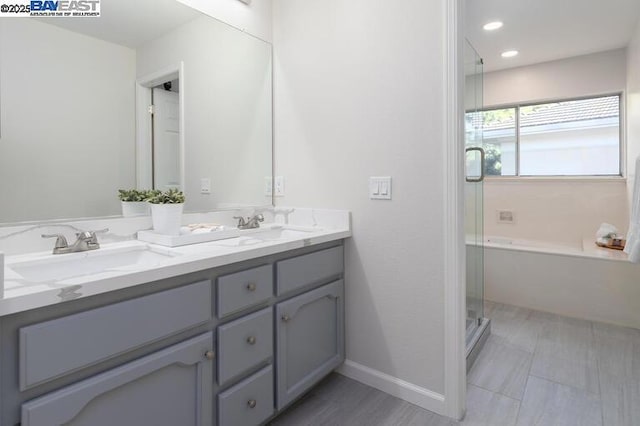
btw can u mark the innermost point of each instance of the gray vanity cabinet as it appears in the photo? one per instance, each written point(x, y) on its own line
point(310, 339)
point(226, 346)
point(171, 387)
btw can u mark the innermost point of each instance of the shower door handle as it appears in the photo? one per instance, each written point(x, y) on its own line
point(481, 151)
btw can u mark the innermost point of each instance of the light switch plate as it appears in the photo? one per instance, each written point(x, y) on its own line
point(205, 186)
point(380, 187)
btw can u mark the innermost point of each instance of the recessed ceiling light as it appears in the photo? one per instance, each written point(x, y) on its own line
point(491, 26)
point(510, 53)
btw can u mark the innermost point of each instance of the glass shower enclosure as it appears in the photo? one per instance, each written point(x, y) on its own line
point(477, 327)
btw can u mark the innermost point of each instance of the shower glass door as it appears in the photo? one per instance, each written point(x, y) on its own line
point(474, 220)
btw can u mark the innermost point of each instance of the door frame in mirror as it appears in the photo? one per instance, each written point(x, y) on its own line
point(144, 153)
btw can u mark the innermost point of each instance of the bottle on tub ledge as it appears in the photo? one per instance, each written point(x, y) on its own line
point(608, 237)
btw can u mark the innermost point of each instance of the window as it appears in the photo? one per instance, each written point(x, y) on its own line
point(566, 138)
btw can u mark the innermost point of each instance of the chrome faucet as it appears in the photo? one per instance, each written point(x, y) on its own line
point(250, 223)
point(86, 240)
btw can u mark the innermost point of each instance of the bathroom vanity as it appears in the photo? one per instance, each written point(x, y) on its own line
point(230, 344)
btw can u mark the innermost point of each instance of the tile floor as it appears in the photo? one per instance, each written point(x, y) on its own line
point(536, 369)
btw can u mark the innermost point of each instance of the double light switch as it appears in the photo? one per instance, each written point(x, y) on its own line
point(380, 188)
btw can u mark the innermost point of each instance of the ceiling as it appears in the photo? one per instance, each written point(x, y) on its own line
point(130, 22)
point(546, 30)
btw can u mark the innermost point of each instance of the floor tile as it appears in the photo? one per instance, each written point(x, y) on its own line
point(577, 373)
point(547, 403)
point(486, 408)
point(567, 338)
point(501, 368)
point(311, 411)
point(406, 414)
point(342, 390)
point(617, 350)
point(620, 400)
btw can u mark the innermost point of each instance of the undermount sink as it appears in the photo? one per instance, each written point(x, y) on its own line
point(281, 234)
point(255, 236)
point(61, 267)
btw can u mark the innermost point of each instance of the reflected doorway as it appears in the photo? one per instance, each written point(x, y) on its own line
point(160, 129)
point(165, 135)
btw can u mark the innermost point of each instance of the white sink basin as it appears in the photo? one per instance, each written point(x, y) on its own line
point(65, 266)
point(281, 234)
point(252, 237)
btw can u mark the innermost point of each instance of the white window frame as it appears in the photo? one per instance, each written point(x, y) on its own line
point(621, 144)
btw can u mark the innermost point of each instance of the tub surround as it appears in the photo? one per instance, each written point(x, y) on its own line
point(583, 281)
point(284, 229)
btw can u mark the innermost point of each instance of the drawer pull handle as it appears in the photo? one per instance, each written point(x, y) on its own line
point(209, 355)
point(251, 340)
point(286, 318)
point(251, 286)
point(252, 403)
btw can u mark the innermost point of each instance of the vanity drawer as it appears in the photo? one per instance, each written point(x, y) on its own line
point(315, 267)
point(243, 344)
point(51, 349)
point(248, 403)
point(244, 289)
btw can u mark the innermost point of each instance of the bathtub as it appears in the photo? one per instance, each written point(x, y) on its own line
point(580, 281)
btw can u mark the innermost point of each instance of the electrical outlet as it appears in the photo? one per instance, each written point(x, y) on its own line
point(278, 186)
point(268, 186)
point(205, 186)
point(506, 216)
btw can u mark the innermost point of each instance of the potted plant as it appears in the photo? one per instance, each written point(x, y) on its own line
point(166, 211)
point(134, 202)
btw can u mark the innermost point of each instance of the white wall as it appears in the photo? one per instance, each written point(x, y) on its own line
point(556, 210)
point(254, 18)
point(359, 93)
point(553, 210)
point(599, 73)
point(633, 108)
point(68, 123)
point(227, 125)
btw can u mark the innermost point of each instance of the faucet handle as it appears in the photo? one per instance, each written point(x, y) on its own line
point(90, 236)
point(241, 221)
point(61, 241)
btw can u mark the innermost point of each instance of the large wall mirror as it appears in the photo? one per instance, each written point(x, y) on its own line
point(151, 94)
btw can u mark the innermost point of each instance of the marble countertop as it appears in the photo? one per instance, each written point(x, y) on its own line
point(306, 228)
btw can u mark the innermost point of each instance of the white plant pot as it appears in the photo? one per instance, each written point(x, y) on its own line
point(167, 218)
point(135, 208)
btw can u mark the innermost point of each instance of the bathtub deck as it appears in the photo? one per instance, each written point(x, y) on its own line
point(536, 369)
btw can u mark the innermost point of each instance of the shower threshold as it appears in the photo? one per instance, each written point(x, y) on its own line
point(477, 341)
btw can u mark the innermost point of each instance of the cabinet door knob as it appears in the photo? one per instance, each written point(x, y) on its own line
point(286, 318)
point(251, 286)
point(209, 355)
point(251, 340)
point(252, 403)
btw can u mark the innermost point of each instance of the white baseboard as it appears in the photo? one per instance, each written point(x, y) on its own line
point(416, 395)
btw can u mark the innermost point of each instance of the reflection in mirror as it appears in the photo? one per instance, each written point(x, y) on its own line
point(166, 99)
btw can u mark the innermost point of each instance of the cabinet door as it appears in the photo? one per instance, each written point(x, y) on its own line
point(169, 388)
point(310, 339)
